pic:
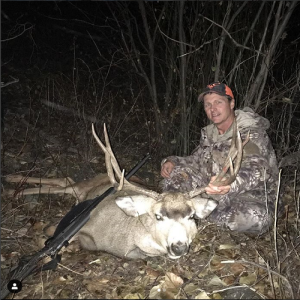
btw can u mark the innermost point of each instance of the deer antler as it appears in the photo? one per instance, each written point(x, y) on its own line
point(235, 151)
point(112, 167)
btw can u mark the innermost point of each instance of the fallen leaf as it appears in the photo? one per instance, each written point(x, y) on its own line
point(38, 226)
point(217, 281)
point(21, 232)
point(215, 263)
point(62, 279)
point(155, 292)
point(134, 296)
point(217, 296)
point(203, 273)
point(190, 288)
point(229, 280)
point(237, 268)
point(94, 286)
point(168, 288)
point(226, 246)
point(153, 274)
point(65, 293)
point(261, 287)
point(172, 281)
point(248, 278)
point(49, 230)
point(202, 295)
point(40, 241)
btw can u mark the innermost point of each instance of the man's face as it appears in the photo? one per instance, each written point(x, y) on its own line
point(218, 108)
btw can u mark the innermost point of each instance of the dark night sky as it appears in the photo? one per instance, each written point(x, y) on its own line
point(53, 21)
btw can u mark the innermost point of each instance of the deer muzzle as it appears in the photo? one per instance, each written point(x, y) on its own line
point(178, 249)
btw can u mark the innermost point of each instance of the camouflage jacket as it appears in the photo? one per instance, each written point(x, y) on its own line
point(258, 174)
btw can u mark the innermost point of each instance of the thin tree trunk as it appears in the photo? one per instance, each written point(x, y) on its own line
point(157, 114)
point(184, 128)
point(226, 25)
point(277, 33)
point(238, 60)
point(222, 41)
point(255, 93)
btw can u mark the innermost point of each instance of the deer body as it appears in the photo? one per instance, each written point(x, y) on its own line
point(128, 224)
point(136, 222)
point(138, 226)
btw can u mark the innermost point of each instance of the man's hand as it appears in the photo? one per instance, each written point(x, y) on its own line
point(166, 169)
point(216, 190)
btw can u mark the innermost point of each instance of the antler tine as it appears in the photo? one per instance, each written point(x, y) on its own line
point(108, 164)
point(234, 152)
point(238, 155)
point(113, 159)
point(233, 171)
point(231, 153)
point(121, 181)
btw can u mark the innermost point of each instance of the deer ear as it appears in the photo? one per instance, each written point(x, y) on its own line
point(135, 206)
point(203, 207)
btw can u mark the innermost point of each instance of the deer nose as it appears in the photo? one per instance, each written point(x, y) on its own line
point(179, 248)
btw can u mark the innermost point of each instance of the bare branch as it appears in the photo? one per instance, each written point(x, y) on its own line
point(229, 35)
point(16, 36)
point(15, 80)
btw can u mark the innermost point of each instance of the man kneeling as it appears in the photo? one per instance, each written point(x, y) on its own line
point(248, 204)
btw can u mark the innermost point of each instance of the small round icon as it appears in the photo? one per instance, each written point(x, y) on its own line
point(14, 286)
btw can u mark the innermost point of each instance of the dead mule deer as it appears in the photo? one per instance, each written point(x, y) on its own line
point(137, 222)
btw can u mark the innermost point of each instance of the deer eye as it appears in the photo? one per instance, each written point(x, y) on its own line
point(191, 217)
point(158, 217)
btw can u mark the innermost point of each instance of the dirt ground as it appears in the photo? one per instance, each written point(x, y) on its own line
point(41, 141)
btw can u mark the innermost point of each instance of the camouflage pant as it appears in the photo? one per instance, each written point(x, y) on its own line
point(245, 213)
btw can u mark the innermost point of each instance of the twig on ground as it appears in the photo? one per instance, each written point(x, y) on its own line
point(262, 267)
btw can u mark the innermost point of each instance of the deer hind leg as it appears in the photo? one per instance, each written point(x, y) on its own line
point(52, 186)
point(41, 190)
point(62, 182)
